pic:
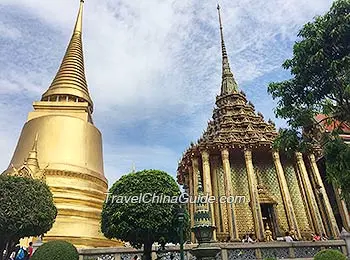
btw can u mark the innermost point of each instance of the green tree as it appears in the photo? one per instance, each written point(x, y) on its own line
point(327, 254)
point(56, 250)
point(337, 155)
point(143, 223)
point(321, 70)
point(26, 210)
point(320, 84)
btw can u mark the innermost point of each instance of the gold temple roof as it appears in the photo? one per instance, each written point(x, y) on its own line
point(70, 79)
point(235, 123)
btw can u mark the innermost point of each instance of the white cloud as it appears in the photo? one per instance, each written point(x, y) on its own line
point(7, 32)
point(148, 61)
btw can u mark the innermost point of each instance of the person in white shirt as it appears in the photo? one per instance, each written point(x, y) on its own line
point(12, 256)
point(288, 238)
point(248, 239)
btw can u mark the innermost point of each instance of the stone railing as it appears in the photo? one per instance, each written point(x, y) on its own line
point(229, 251)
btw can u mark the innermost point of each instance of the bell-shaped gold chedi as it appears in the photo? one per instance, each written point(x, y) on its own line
point(69, 148)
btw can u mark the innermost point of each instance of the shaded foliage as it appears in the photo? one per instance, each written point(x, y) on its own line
point(143, 223)
point(56, 250)
point(289, 141)
point(328, 254)
point(26, 210)
point(321, 70)
point(320, 84)
point(337, 155)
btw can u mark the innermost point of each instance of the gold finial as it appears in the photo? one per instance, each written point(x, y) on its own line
point(224, 53)
point(70, 79)
point(228, 84)
point(79, 23)
point(32, 159)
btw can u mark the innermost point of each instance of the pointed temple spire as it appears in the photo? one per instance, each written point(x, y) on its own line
point(32, 160)
point(70, 82)
point(228, 84)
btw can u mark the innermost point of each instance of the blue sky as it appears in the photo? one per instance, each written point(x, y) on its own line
point(153, 67)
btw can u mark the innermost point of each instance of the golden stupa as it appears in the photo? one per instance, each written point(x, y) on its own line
point(264, 192)
point(68, 148)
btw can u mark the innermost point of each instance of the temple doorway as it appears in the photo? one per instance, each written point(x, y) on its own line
point(269, 217)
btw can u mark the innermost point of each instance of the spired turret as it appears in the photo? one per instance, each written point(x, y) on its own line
point(69, 148)
point(259, 187)
point(70, 79)
point(30, 167)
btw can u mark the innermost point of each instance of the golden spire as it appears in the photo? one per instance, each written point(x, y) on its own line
point(32, 160)
point(70, 79)
point(30, 167)
point(228, 84)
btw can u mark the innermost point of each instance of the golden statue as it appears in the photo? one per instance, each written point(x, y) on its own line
point(70, 149)
point(268, 234)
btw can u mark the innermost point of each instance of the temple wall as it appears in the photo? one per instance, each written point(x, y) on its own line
point(244, 216)
point(274, 181)
point(298, 203)
point(221, 192)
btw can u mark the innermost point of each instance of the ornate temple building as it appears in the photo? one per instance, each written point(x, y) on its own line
point(234, 157)
point(67, 151)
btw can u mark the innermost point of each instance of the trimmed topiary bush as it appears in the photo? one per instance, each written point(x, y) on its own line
point(26, 210)
point(329, 254)
point(56, 250)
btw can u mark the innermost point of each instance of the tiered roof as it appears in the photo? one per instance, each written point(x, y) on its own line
point(235, 123)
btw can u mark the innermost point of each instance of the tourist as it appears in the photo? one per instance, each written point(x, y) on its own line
point(316, 237)
point(15, 251)
point(324, 237)
point(293, 234)
point(13, 255)
point(30, 250)
point(250, 238)
point(288, 238)
point(21, 254)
